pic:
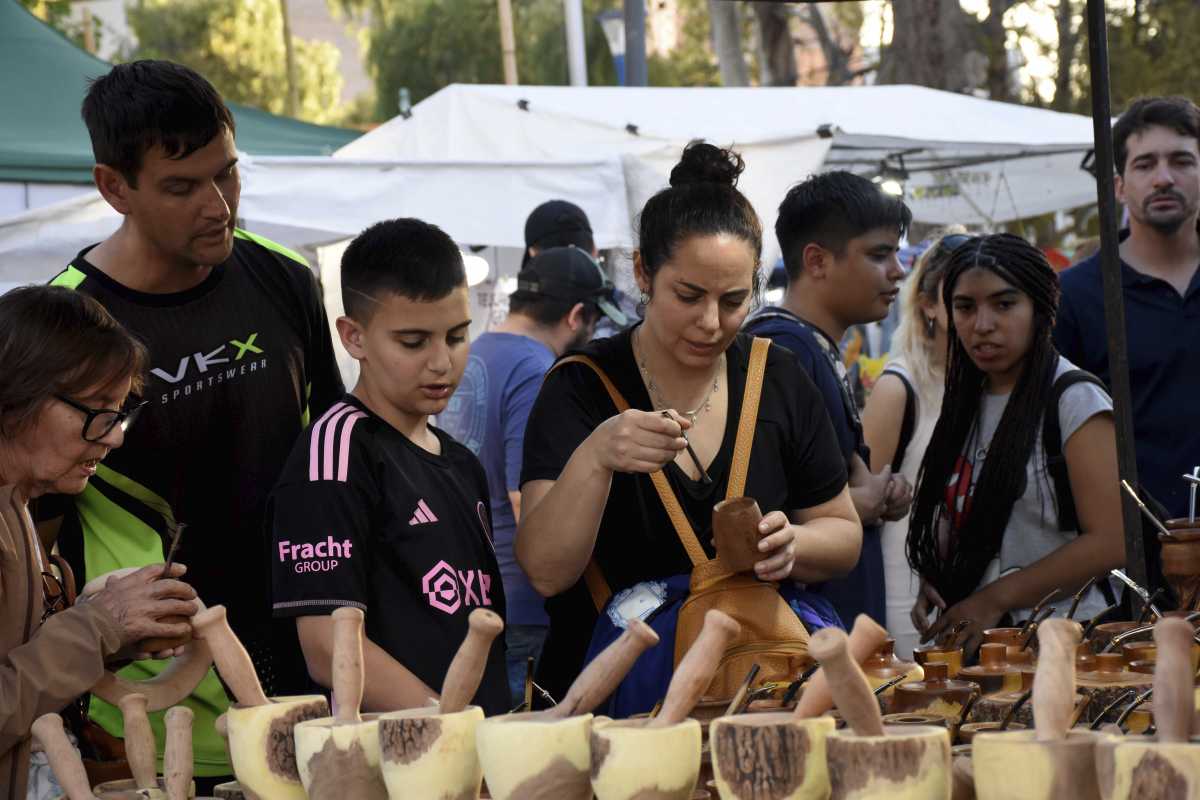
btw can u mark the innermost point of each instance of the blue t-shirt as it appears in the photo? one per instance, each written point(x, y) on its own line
point(1163, 329)
point(487, 414)
point(862, 591)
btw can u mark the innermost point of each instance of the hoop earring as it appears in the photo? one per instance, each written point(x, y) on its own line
point(931, 326)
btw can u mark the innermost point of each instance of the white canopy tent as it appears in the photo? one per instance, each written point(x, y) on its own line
point(476, 159)
point(967, 160)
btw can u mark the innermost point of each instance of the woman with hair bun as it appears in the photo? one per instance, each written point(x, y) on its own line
point(595, 534)
point(992, 532)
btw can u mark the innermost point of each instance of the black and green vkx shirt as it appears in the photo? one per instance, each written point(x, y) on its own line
point(238, 365)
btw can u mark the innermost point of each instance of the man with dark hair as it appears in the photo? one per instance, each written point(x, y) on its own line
point(240, 355)
point(560, 295)
point(840, 235)
point(376, 508)
point(1156, 147)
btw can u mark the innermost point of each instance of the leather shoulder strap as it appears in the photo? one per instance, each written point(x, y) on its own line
point(679, 520)
point(749, 418)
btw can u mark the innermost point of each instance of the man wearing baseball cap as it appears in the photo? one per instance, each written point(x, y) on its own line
point(557, 223)
point(561, 294)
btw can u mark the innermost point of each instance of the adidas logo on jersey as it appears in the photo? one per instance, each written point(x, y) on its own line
point(423, 515)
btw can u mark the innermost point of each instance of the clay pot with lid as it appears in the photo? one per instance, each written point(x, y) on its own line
point(1019, 644)
point(993, 673)
point(949, 655)
point(883, 665)
point(937, 694)
point(1103, 633)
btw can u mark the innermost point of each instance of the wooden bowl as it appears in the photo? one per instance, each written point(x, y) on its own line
point(1014, 765)
point(423, 754)
point(631, 760)
point(777, 756)
point(532, 756)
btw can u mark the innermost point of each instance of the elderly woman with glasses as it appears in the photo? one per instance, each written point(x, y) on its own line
point(69, 371)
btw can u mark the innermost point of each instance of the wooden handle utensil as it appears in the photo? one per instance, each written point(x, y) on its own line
point(600, 678)
point(64, 759)
point(466, 670)
point(849, 686)
point(139, 741)
point(1054, 681)
point(696, 669)
point(230, 656)
point(178, 766)
point(347, 665)
point(865, 638)
point(1173, 690)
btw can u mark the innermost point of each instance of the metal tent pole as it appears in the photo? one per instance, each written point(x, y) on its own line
point(1114, 300)
point(635, 43)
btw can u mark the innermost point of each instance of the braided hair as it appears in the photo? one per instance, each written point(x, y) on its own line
point(956, 567)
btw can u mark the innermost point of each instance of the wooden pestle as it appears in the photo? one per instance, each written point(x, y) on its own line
point(600, 678)
point(63, 757)
point(178, 766)
point(695, 670)
point(230, 656)
point(1054, 681)
point(347, 667)
point(139, 741)
point(847, 683)
point(466, 670)
point(865, 638)
point(1173, 689)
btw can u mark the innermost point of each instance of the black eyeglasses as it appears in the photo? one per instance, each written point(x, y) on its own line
point(99, 422)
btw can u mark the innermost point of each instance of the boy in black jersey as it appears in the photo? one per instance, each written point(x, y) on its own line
point(376, 508)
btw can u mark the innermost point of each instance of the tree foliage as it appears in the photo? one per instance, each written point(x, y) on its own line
point(424, 45)
point(1154, 49)
point(57, 14)
point(238, 45)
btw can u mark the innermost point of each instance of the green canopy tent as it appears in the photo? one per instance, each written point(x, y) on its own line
point(43, 77)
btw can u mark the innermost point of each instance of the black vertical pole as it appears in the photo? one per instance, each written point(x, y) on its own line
point(1114, 301)
point(635, 43)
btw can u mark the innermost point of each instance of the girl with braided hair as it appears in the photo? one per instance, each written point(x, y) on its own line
point(985, 534)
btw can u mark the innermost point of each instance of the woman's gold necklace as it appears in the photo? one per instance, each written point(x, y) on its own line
point(656, 397)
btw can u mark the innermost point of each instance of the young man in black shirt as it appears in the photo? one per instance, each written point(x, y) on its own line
point(240, 356)
point(840, 235)
point(376, 508)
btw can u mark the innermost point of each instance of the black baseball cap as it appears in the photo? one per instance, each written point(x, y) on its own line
point(557, 223)
point(570, 274)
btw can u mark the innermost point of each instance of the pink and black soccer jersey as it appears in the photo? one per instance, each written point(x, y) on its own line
point(363, 517)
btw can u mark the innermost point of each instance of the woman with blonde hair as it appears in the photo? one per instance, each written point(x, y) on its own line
point(902, 410)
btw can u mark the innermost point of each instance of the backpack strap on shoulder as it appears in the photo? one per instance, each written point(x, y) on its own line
point(908, 424)
point(1052, 443)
